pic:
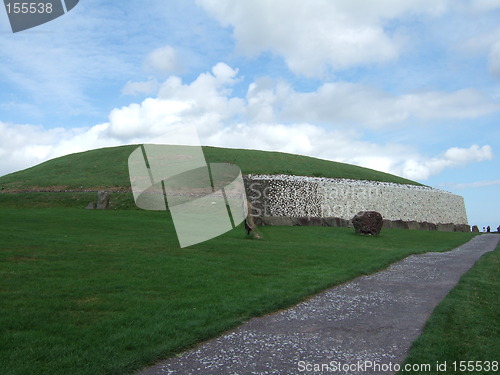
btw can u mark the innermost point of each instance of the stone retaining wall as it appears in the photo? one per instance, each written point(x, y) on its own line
point(283, 196)
point(338, 222)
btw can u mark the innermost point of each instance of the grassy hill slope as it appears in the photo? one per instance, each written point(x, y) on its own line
point(107, 168)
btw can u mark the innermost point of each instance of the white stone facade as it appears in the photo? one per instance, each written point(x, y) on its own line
point(299, 196)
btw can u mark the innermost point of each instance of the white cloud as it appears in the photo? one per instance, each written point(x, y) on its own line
point(481, 42)
point(464, 103)
point(29, 145)
point(420, 168)
point(22, 146)
point(145, 87)
point(485, 5)
point(315, 34)
point(272, 116)
point(460, 156)
point(151, 118)
point(209, 97)
point(494, 59)
point(356, 104)
point(488, 44)
point(203, 103)
point(165, 60)
point(476, 184)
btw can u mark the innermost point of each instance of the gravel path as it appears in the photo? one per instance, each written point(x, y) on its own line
point(369, 321)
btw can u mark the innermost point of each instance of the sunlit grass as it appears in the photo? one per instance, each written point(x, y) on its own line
point(465, 326)
point(109, 292)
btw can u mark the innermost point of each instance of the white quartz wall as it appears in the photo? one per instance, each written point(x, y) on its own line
point(298, 196)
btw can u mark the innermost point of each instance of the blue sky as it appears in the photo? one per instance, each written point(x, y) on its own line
point(407, 87)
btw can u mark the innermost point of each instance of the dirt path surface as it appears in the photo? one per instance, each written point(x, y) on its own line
point(369, 321)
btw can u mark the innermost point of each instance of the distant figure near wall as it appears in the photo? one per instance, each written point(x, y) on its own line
point(488, 229)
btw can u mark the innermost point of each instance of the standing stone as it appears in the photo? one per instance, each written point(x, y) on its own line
point(448, 227)
point(335, 222)
point(250, 223)
point(310, 221)
point(102, 200)
point(368, 222)
point(413, 225)
point(462, 228)
point(277, 220)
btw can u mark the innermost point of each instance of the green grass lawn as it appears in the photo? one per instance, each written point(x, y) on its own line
point(118, 200)
point(109, 292)
point(465, 326)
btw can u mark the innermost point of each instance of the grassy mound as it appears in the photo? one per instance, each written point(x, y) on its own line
point(107, 168)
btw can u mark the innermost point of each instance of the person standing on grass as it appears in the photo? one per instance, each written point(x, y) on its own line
point(488, 229)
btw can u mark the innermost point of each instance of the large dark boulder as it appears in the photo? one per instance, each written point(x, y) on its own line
point(368, 222)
